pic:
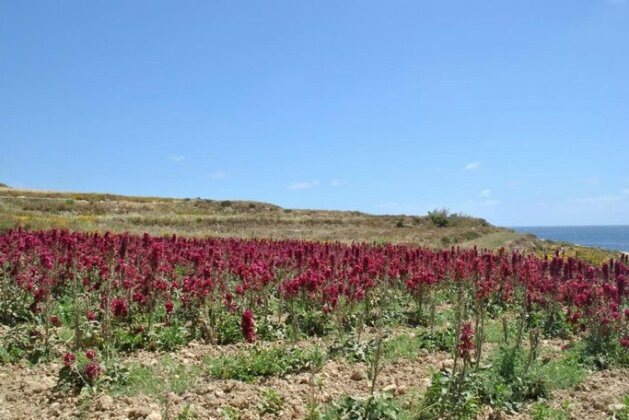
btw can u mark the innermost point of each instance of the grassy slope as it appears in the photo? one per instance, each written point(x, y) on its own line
point(199, 217)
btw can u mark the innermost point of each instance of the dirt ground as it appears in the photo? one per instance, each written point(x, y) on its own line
point(27, 392)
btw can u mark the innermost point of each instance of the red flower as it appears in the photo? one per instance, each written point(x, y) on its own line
point(90, 354)
point(169, 306)
point(92, 370)
point(119, 308)
point(91, 316)
point(68, 359)
point(465, 341)
point(54, 320)
point(248, 326)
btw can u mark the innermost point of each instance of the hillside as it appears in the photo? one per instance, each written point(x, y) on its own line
point(202, 217)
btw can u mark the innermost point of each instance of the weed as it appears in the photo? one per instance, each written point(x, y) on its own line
point(351, 349)
point(439, 217)
point(230, 413)
point(265, 362)
point(450, 397)
point(375, 407)
point(542, 411)
point(623, 413)
point(272, 403)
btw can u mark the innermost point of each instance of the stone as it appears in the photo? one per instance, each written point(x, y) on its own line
point(447, 364)
point(104, 403)
point(54, 409)
point(390, 388)
point(613, 408)
point(400, 390)
point(34, 386)
point(357, 375)
point(138, 413)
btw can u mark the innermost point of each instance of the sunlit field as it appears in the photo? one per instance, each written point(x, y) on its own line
point(174, 327)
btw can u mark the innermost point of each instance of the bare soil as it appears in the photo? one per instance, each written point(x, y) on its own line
point(27, 392)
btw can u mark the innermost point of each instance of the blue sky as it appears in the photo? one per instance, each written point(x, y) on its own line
point(516, 111)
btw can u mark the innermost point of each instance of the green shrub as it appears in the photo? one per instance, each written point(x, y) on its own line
point(439, 217)
point(230, 413)
point(470, 235)
point(451, 397)
point(310, 323)
point(265, 362)
point(168, 338)
point(602, 352)
point(623, 413)
point(542, 411)
point(352, 350)
point(510, 382)
point(22, 342)
point(442, 340)
point(155, 381)
point(272, 404)
point(375, 407)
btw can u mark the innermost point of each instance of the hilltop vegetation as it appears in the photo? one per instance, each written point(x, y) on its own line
point(89, 212)
point(202, 217)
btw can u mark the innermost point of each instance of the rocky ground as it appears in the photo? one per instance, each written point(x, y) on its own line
point(600, 396)
point(28, 392)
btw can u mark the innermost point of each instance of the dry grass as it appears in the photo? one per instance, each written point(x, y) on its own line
point(200, 217)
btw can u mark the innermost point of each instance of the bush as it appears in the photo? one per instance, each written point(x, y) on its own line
point(451, 397)
point(371, 408)
point(442, 340)
point(310, 323)
point(265, 362)
point(439, 217)
point(22, 342)
point(351, 349)
point(602, 352)
point(509, 383)
point(542, 411)
point(272, 404)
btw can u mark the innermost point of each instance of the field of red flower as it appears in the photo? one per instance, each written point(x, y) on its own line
point(85, 299)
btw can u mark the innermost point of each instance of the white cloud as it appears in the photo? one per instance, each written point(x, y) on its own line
point(176, 158)
point(489, 203)
point(472, 165)
point(303, 185)
point(485, 193)
point(217, 175)
point(474, 205)
point(598, 199)
point(624, 194)
point(593, 180)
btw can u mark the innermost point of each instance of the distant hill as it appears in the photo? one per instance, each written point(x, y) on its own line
point(203, 217)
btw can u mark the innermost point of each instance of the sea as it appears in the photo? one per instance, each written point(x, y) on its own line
point(615, 238)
